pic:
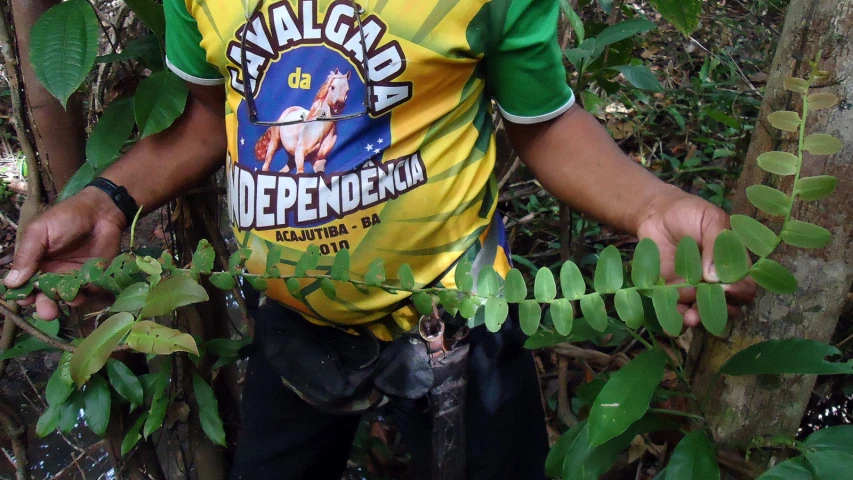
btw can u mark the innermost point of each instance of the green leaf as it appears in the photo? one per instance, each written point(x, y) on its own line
point(805, 235)
point(796, 85)
point(48, 421)
point(665, 300)
point(784, 120)
point(780, 163)
point(683, 14)
point(530, 315)
point(773, 277)
point(819, 101)
point(464, 278)
point(294, 287)
point(146, 49)
point(592, 307)
point(449, 299)
point(608, 272)
point(557, 455)
point(375, 273)
point(574, 20)
point(47, 283)
point(815, 188)
point(274, 254)
point(68, 287)
point(159, 400)
point(796, 356)
point(839, 438)
point(544, 287)
point(754, 235)
point(208, 411)
point(328, 288)
point(571, 281)
point(151, 14)
point(562, 314)
point(423, 303)
point(467, 308)
point(110, 134)
point(830, 465)
point(640, 76)
point(132, 437)
point(487, 281)
point(694, 457)
point(341, 266)
point(63, 47)
point(822, 144)
point(713, 311)
point(223, 280)
point(125, 383)
point(238, 258)
point(94, 350)
point(688, 261)
point(132, 298)
point(629, 306)
point(406, 277)
point(97, 402)
point(794, 469)
point(515, 289)
point(58, 388)
point(203, 257)
point(150, 337)
point(626, 396)
point(621, 31)
point(69, 412)
point(496, 312)
point(645, 269)
point(160, 99)
point(85, 174)
point(27, 344)
point(768, 200)
point(730, 257)
point(171, 294)
point(258, 283)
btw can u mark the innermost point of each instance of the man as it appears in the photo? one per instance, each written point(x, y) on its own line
point(368, 127)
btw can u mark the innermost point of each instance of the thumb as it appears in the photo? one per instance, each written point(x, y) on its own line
point(28, 255)
point(715, 222)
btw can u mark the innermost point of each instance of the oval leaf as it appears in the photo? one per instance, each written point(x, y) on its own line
point(125, 382)
point(819, 101)
point(464, 278)
point(796, 85)
point(805, 235)
point(131, 298)
point(423, 303)
point(467, 308)
point(688, 261)
point(571, 281)
point(375, 273)
point(406, 277)
point(608, 272)
point(629, 307)
point(787, 121)
point(665, 300)
point(594, 312)
point(754, 235)
point(730, 257)
point(544, 287)
point(63, 47)
point(328, 288)
point(645, 269)
point(530, 315)
point(713, 311)
point(110, 133)
point(159, 100)
point(694, 457)
point(625, 397)
point(487, 281)
point(97, 402)
point(768, 199)
point(515, 290)
point(793, 356)
point(341, 266)
point(773, 277)
point(822, 144)
point(133, 436)
point(562, 314)
point(223, 280)
point(171, 294)
point(159, 400)
point(208, 411)
point(815, 188)
point(496, 312)
point(780, 163)
point(149, 337)
point(94, 350)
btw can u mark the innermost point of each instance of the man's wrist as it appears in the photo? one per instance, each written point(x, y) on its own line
point(102, 203)
point(659, 198)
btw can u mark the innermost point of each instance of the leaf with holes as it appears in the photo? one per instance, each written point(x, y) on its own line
point(629, 307)
point(805, 235)
point(530, 316)
point(496, 312)
point(173, 293)
point(768, 199)
point(815, 188)
point(150, 337)
point(665, 300)
point(515, 289)
point(822, 144)
point(594, 311)
point(375, 275)
point(544, 287)
point(787, 121)
point(309, 261)
point(819, 101)
point(464, 278)
point(94, 350)
point(203, 257)
point(688, 261)
point(571, 281)
point(223, 280)
point(713, 311)
point(773, 277)
point(780, 163)
point(608, 271)
point(730, 257)
point(160, 99)
point(755, 236)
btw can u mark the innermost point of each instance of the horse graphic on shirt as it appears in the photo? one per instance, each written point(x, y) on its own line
point(310, 141)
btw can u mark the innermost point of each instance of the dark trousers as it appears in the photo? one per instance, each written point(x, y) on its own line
point(283, 437)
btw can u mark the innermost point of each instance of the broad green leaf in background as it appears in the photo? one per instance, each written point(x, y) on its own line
point(406, 277)
point(48, 421)
point(683, 14)
point(544, 287)
point(805, 235)
point(640, 76)
point(830, 464)
point(97, 402)
point(530, 315)
point(645, 270)
point(621, 31)
point(208, 411)
point(562, 314)
point(27, 344)
point(626, 396)
point(146, 49)
point(125, 383)
point(557, 455)
point(754, 235)
point(815, 188)
point(665, 301)
point(151, 14)
point(694, 458)
point(150, 337)
point(629, 306)
point(730, 257)
point(608, 271)
point(797, 356)
point(159, 400)
point(784, 120)
point(131, 298)
point(713, 311)
point(780, 163)
point(496, 313)
point(172, 293)
point(794, 469)
point(464, 278)
point(822, 144)
point(571, 281)
point(133, 436)
point(159, 100)
point(341, 266)
point(63, 47)
point(773, 277)
point(594, 311)
point(58, 388)
point(85, 174)
point(515, 289)
point(688, 261)
point(819, 101)
point(94, 350)
point(110, 133)
point(768, 199)
point(838, 438)
point(69, 412)
point(487, 282)
point(574, 20)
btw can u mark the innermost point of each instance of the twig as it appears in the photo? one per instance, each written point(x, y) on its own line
point(35, 332)
point(15, 430)
point(8, 221)
point(563, 410)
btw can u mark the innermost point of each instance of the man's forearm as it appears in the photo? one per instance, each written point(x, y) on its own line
point(575, 159)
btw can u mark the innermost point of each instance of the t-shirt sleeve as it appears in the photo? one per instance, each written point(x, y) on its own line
point(525, 72)
point(184, 54)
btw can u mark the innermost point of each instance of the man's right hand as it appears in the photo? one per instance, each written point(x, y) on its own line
point(87, 225)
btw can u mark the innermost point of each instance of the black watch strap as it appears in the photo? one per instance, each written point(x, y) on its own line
point(119, 195)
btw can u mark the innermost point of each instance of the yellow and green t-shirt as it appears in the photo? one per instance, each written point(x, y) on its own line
point(411, 180)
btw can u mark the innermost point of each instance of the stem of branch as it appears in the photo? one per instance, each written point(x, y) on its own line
point(35, 332)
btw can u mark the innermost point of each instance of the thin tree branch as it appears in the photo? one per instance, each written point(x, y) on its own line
point(35, 332)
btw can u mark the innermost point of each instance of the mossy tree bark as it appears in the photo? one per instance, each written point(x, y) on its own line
point(740, 408)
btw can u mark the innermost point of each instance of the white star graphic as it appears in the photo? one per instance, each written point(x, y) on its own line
point(242, 141)
point(369, 147)
point(380, 141)
point(376, 150)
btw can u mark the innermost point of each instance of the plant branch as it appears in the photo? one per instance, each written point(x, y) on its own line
point(35, 332)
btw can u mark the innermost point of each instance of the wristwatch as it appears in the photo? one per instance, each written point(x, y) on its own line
point(119, 196)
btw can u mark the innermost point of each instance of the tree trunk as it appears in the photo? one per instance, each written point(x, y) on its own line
point(739, 408)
